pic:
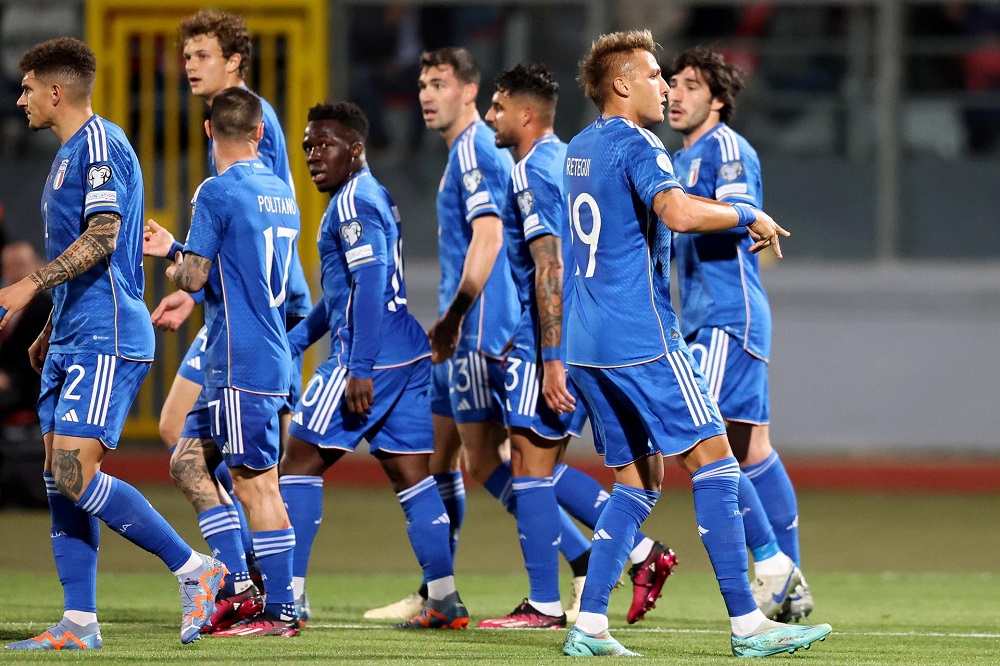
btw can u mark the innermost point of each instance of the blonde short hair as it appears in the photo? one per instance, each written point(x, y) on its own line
point(610, 57)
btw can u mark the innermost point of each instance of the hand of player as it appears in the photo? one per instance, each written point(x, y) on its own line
point(554, 390)
point(172, 268)
point(443, 337)
point(156, 240)
point(39, 349)
point(766, 232)
point(172, 311)
point(359, 395)
point(14, 298)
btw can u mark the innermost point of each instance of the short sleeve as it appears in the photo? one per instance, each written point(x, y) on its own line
point(541, 206)
point(736, 180)
point(105, 179)
point(481, 181)
point(208, 220)
point(647, 164)
point(362, 232)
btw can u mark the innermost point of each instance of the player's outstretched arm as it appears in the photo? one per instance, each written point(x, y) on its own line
point(684, 213)
point(94, 245)
point(189, 271)
point(486, 244)
point(546, 252)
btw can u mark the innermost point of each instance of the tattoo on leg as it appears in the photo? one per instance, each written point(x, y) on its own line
point(68, 472)
point(190, 473)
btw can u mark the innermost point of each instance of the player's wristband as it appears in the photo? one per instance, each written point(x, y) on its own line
point(174, 249)
point(3, 312)
point(552, 354)
point(198, 296)
point(747, 214)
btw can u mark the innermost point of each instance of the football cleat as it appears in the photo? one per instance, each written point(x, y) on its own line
point(66, 635)
point(447, 613)
point(233, 609)
point(198, 592)
point(579, 644)
point(302, 610)
point(799, 603)
point(772, 591)
point(573, 610)
point(773, 638)
point(648, 579)
point(262, 624)
point(403, 609)
point(525, 616)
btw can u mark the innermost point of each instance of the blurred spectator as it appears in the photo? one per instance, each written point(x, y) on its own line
point(981, 71)
point(21, 449)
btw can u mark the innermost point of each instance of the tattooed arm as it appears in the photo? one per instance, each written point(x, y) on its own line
point(94, 245)
point(546, 251)
point(189, 271)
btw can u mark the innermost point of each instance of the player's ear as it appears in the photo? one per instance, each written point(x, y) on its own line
point(620, 86)
point(717, 104)
point(259, 134)
point(234, 62)
point(56, 93)
point(208, 128)
point(469, 93)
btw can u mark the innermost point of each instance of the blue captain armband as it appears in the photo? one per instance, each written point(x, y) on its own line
point(747, 214)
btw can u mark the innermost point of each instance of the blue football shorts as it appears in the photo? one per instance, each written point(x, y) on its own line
point(440, 395)
point(474, 384)
point(526, 408)
point(89, 395)
point(192, 367)
point(245, 426)
point(400, 419)
point(198, 422)
point(736, 378)
point(662, 406)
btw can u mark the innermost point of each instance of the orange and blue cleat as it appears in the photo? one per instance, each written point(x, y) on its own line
point(447, 613)
point(66, 635)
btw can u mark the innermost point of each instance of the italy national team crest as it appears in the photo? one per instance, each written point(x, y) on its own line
point(472, 179)
point(693, 172)
point(60, 175)
point(351, 232)
point(525, 201)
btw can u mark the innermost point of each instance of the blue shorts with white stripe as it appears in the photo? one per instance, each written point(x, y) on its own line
point(736, 378)
point(469, 387)
point(89, 395)
point(662, 406)
point(526, 408)
point(400, 420)
point(245, 426)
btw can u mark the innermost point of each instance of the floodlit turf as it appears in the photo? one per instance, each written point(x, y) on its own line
point(923, 614)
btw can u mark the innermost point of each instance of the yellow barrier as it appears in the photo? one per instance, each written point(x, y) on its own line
point(141, 87)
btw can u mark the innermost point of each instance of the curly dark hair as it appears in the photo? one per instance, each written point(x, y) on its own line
point(533, 80)
point(236, 113)
point(725, 81)
point(459, 59)
point(347, 114)
point(67, 59)
point(230, 29)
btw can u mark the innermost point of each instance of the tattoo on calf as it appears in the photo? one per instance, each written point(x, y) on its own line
point(190, 472)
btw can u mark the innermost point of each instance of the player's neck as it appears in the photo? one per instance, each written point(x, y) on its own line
point(692, 137)
point(468, 116)
point(528, 140)
point(70, 122)
point(227, 154)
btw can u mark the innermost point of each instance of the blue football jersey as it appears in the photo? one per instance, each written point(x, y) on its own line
point(273, 152)
point(101, 311)
point(473, 185)
point(535, 206)
point(362, 226)
point(720, 282)
point(246, 222)
point(621, 314)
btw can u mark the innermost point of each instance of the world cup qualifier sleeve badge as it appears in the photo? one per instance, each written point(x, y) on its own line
point(351, 231)
point(472, 179)
point(525, 202)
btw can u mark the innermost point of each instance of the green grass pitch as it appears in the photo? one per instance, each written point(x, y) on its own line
point(903, 579)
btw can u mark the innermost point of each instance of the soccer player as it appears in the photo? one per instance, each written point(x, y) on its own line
point(96, 348)
point(644, 395)
point(541, 407)
point(217, 56)
point(376, 383)
point(243, 229)
point(726, 320)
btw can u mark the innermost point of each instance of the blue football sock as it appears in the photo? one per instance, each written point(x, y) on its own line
point(274, 549)
point(451, 488)
point(756, 527)
point(778, 497)
point(573, 544)
point(538, 528)
point(225, 479)
point(221, 530)
point(614, 535)
point(75, 538)
point(303, 498)
point(498, 485)
point(126, 511)
point(720, 525)
point(582, 496)
point(428, 526)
